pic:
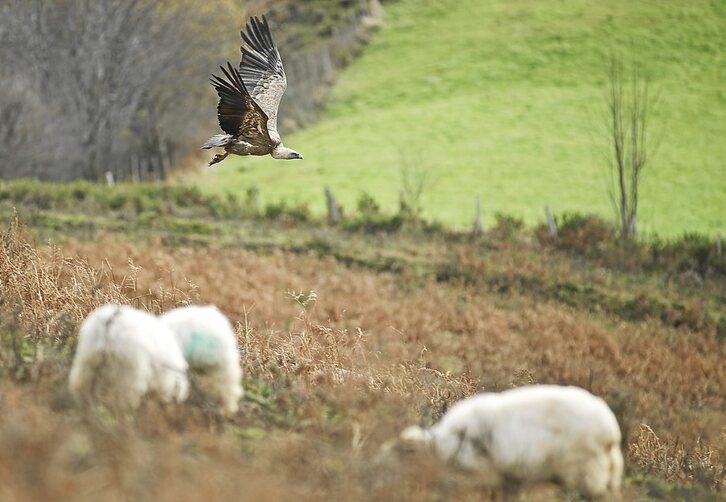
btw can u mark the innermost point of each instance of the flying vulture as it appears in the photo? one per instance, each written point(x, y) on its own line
point(249, 97)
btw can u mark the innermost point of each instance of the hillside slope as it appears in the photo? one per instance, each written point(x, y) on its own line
point(505, 99)
point(348, 337)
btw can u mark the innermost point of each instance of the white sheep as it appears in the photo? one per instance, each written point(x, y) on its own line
point(123, 354)
point(530, 434)
point(209, 345)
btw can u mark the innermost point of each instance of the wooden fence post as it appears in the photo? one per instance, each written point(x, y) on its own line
point(478, 225)
point(719, 244)
point(333, 208)
point(551, 222)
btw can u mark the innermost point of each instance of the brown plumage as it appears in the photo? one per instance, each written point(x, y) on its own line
point(249, 99)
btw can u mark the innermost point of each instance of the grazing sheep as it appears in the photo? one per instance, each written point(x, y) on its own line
point(209, 344)
point(124, 353)
point(529, 434)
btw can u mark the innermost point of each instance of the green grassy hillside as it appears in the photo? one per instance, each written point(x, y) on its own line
point(505, 99)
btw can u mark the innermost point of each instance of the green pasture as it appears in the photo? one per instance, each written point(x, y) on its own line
point(506, 99)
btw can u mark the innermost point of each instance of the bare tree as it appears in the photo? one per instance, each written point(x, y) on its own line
point(629, 106)
point(113, 77)
point(416, 178)
point(16, 132)
point(84, 61)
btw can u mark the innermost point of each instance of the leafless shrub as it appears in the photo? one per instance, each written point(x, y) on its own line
point(629, 107)
point(416, 178)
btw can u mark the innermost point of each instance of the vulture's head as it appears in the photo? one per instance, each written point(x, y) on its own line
point(285, 153)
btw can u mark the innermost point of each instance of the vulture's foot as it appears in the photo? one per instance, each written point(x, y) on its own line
point(217, 158)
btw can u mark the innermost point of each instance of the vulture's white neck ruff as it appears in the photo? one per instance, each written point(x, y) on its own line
point(284, 153)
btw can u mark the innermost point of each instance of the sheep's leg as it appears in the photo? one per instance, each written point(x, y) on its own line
point(510, 489)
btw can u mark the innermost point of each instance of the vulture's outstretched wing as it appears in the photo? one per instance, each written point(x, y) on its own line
point(261, 70)
point(237, 112)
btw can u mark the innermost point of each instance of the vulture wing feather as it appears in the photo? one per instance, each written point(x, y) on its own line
point(239, 114)
point(261, 70)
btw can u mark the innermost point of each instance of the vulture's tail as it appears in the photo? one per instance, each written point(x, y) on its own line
point(220, 140)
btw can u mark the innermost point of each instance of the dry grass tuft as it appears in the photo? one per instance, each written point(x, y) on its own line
point(51, 291)
point(674, 461)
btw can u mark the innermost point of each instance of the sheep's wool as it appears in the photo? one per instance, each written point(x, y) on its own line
point(532, 433)
point(123, 354)
point(209, 344)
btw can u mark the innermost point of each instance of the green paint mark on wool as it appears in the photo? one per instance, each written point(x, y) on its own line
point(201, 350)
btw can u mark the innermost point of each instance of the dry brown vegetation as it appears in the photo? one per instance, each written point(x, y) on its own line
point(332, 377)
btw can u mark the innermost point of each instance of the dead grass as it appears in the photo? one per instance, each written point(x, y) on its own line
point(329, 381)
point(51, 290)
point(675, 461)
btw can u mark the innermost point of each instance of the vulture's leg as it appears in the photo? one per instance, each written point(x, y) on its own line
point(218, 158)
